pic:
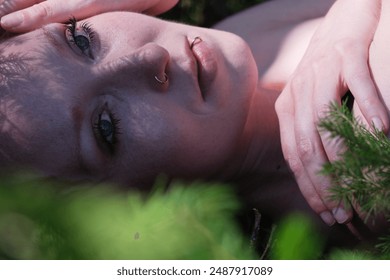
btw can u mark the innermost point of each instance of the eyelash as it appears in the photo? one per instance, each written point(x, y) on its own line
point(85, 27)
point(99, 133)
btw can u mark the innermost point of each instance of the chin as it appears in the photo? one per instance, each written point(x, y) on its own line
point(239, 55)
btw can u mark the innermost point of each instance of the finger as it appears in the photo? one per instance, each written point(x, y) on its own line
point(29, 17)
point(328, 93)
point(325, 94)
point(358, 115)
point(287, 135)
point(358, 79)
point(310, 149)
point(45, 12)
point(7, 7)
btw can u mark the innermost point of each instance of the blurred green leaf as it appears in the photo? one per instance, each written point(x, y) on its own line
point(96, 222)
point(296, 239)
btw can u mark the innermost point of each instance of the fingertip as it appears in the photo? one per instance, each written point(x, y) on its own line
point(328, 218)
point(12, 21)
point(386, 124)
point(341, 215)
point(377, 124)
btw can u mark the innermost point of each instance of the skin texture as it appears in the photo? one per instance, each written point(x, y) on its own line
point(222, 128)
point(228, 131)
point(161, 127)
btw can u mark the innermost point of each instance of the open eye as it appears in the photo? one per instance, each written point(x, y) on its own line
point(106, 127)
point(82, 42)
point(106, 130)
point(80, 37)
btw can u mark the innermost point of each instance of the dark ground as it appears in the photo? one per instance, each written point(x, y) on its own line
point(207, 12)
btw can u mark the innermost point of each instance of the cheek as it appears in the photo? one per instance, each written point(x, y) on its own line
point(167, 139)
point(198, 146)
point(205, 145)
point(148, 137)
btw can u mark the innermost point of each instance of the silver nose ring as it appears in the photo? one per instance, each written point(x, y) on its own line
point(163, 81)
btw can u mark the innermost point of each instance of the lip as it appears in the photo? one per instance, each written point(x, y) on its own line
point(206, 65)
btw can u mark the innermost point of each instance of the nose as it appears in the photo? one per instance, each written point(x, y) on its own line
point(145, 65)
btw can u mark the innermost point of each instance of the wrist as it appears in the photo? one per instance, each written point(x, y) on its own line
point(354, 19)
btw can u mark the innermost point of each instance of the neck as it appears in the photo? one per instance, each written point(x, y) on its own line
point(259, 151)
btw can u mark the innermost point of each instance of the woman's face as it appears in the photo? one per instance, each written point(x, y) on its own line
point(92, 106)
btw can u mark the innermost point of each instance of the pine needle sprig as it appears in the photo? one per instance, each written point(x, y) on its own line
point(384, 246)
point(362, 173)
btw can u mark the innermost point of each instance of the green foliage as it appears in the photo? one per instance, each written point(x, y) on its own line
point(46, 220)
point(362, 174)
point(384, 246)
point(42, 220)
point(352, 255)
point(207, 13)
point(187, 222)
point(363, 171)
point(296, 239)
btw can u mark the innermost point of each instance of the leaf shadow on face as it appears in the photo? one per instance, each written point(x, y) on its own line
point(22, 79)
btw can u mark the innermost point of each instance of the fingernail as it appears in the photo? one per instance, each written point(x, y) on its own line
point(327, 217)
point(377, 123)
point(340, 215)
point(12, 20)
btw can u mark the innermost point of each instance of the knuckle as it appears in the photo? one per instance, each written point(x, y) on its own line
point(297, 84)
point(42, 10)
point(345, 46)
point(305, 148)
point(323, 189)
point(323, 111)
point(320, 63)
point(367, 104)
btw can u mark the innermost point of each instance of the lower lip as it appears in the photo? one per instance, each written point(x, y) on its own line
point(207, 65)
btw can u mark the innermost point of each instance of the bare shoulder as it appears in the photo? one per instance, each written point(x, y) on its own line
point(278, 33)
point(273, 15)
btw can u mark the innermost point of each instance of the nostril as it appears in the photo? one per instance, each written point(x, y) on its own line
point(148, 63)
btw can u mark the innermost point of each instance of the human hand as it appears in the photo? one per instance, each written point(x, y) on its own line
point(335, 61)
point(26, 15)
